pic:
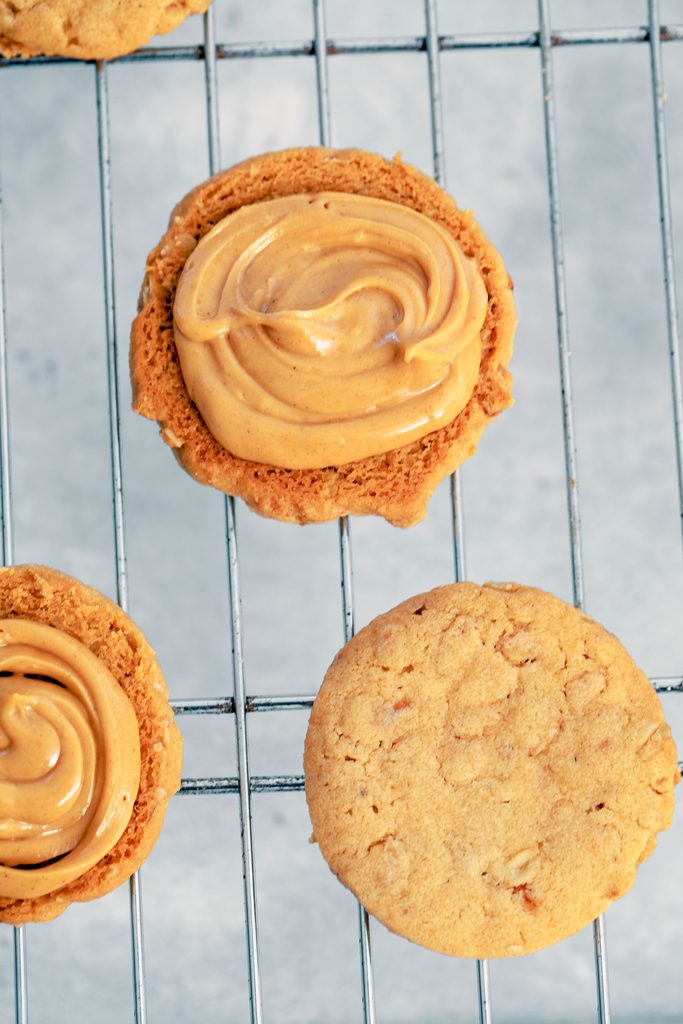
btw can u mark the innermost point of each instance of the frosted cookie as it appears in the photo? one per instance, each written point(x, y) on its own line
point(323, 332)
point(96, 30)
point(486, 768)
point(89, 751)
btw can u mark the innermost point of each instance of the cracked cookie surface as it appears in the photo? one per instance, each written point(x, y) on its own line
point(486, 767)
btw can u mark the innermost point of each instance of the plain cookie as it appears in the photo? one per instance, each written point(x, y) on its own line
point(486, 768)
point(87, 29)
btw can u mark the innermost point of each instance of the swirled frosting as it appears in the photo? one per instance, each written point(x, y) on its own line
point(315, 330)
point(69, 759)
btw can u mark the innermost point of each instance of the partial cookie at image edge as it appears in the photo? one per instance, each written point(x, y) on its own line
point(47, 596)
point(102, 30)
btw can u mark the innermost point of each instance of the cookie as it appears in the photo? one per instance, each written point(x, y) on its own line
point(394, 483)
point(96, 30)
point(89, 750)
point(486, 768)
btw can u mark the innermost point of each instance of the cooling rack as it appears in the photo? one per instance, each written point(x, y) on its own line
point(240, 705)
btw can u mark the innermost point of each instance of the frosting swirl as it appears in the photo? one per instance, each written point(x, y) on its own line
point(69, 759)
point(315, 330)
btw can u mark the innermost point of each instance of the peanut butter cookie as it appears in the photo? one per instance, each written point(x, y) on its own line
point(486, 768)
point(274, 358)
point(87, 29)
point(89, 751)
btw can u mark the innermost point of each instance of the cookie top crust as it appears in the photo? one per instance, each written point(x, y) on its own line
point(396, 484)
point(486, 767)
point(37, 594)
point(87, 29)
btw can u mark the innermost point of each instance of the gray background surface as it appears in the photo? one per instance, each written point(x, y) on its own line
point(79, 966)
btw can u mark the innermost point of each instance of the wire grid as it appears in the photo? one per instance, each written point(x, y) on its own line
point(240, 704)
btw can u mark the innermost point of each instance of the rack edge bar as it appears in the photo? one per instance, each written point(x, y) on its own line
point(402, 44)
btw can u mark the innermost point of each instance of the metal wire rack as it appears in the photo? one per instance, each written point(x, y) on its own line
point(239, 705)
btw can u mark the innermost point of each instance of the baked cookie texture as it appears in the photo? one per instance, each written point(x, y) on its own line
point(47, 596)
point(396, 485)
point(87, 29)
point(486, 767)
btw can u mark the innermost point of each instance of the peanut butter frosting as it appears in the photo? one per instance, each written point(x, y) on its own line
point(318, 329)
point(69, 759)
